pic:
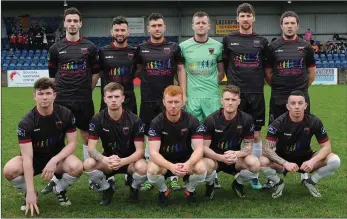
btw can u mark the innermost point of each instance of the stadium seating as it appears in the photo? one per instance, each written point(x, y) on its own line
point(318, 64)
point(331, 64)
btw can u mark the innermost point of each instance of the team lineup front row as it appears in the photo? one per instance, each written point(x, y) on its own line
point(178, 145)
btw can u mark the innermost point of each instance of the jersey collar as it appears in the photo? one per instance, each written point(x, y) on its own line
point(78, 41)
point(157, 44)
point(290, 41)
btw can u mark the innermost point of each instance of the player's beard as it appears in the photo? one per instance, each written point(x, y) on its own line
point(120, 41)
point(245, 28)
point(72, 33)
point(158, 37)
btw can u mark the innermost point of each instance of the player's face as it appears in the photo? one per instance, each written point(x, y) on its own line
point(296, 106)
point(201, 25)
point(245, 20)
point(120, 33)
point(72, 23)
point(44, 98)
point(114, 99)
point(230, 102)
point(156, 28)
point(173, 104)
point(289, 27)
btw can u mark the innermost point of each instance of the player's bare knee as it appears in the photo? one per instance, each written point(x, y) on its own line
point(13, 168)
point(89, 164)
point(141, 167)
point(75, 168)
point(253, 163)
point(199, 168)
point(153, 169)
point(209, 165)
point(264, 161)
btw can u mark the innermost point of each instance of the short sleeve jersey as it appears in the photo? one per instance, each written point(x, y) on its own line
point(118, 65)
point(117, 137)
point(200, 62)
point(294, 138)
point(246, 54)
point(159, 63)
point(75, 63)
point(176, 138)
point(46, 133)
point(228, 135)
point(289, 60)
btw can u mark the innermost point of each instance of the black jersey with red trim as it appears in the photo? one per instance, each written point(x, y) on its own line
point(294, 138)
point(289, 60)
point(228, 135)
point(118, 65)
point(118, 137)
point(245, 54)
point(46, 133)
point(72, 65)
point(176, 138)
point(159, 61)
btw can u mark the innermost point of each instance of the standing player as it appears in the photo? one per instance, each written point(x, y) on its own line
point(175, 146)
point(122, 134)
point(73, 62)
point(117, 63)
point(244, 55)
point(287, 147)
point(41, 136)
point(158, 62)
point(225, 130)
point(204, 66)
point(290, 66)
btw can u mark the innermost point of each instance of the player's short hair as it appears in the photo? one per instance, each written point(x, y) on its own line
point(112, 86)
point(155, 16)
point(245, 8)
point(232, 89)
point(200, 14)
point(173, 90)
point(44, 83)
point(72, 10)
point(119, 20)
point(297, 93)
point(289, 14)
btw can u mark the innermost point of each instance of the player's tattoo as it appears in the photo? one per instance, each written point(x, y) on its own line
point(95, 154)
point(247, 145)
point(270, 153)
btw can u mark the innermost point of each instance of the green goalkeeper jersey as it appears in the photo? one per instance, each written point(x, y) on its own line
point(200, 63)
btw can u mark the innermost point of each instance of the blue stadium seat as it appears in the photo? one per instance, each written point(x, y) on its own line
point(24, 52)
point(342, 57)
point(12, 67)
point(37, 52)
point(18, 51)
point(25, 66)
point(316, 57)
point(344, 64)
point(338, 64)
point(331, 64)
point(32, 66)
point(323, 57)
point(44, 51)
point(329, 57)
point(318, 64)
point(10, 53)
point(336, 57)
point(31, 52)
point(325, 64)
point(7, 61)
point(4, 66)
point(19, 66)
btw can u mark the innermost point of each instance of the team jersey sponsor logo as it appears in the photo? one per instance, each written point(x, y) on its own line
point(234, 44)
point(151, 132)
point(106, 130)
point(145, 50)
point(62, 52)
point(36, 130)
point(307, 130)
point(201, 129)
point(91, 127)
point(21, 132)
point(272, 129)
point(183, 131)
point(287, 134)
point(109, 57)
point(217, 130)
point(279, 50)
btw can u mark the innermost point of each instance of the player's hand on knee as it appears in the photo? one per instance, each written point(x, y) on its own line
point(48, 171)
point(186, 167)
point(31, 203)
point(177, 170)
point(307, 166)
point(291, 167)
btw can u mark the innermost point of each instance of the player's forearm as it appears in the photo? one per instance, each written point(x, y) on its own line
point(28, 173)
point(137, 155)
point(246, 148)
point(322, 154)
point(311, 76)
point(268, 76)
point(269, 152)
point(182, 79)
point(196, 155)
point(221, 76)
point(158, 159)
point(209, 153)
point(95, 154)
point(67, 151)
point(95, 80)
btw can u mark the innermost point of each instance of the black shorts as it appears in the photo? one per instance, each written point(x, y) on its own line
point(83, 112)
point(39, 164)
point(148, 111)
point(122, 170)
point(278, 106)
point(299, 160)
point(231, 169)
point(128, 104)
point(254, 105)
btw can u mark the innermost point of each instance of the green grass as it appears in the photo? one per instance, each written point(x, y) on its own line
point(328, 102)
